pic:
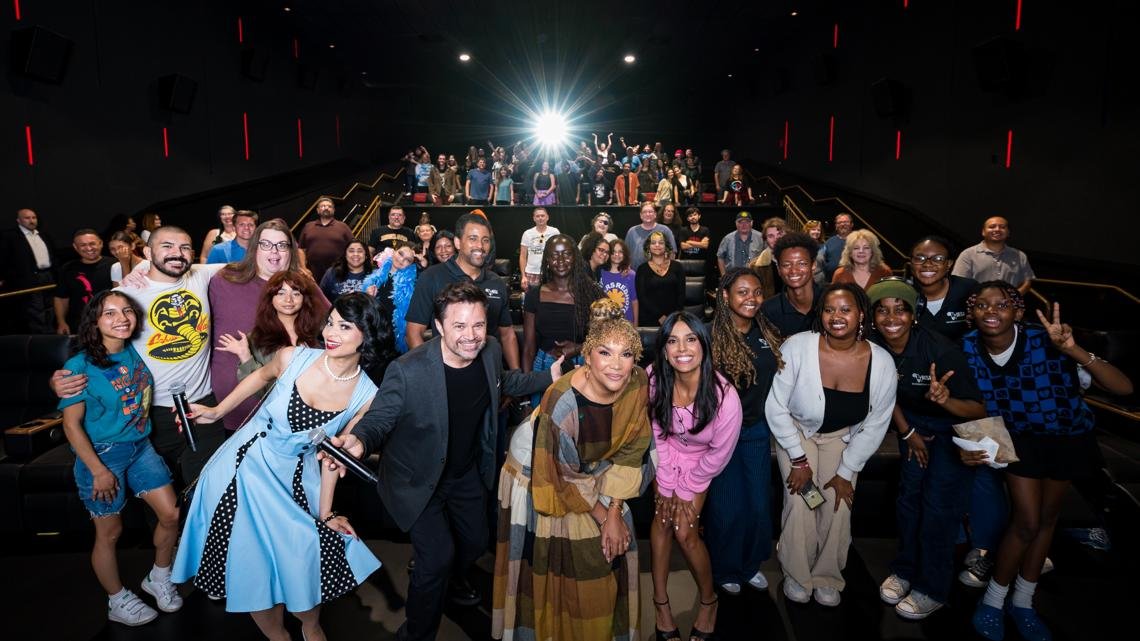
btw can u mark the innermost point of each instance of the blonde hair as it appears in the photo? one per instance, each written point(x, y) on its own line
point(615, 329)
point(857, 236)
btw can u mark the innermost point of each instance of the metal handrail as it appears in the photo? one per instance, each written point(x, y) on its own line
point(847, 209)
point(30, 290)
point(348, 193)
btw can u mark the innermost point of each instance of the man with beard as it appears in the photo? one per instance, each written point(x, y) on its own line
point(439, 459)
point(174, 341)
point(993, 259)
point(80, 279)
point(472, 242)
point(322, 241)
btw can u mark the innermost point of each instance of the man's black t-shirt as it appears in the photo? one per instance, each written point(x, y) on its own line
point(384, 237)
point(79, 282)
point(467, 402)
point(687, 233)
point(432, 280)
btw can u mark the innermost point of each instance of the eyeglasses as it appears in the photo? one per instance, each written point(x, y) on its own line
point(265, 246)
point(938, 259)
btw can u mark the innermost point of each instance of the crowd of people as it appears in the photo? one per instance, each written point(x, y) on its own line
point(591, 174)
point(813, 343)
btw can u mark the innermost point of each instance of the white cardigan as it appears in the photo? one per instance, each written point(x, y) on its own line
point(796, 402)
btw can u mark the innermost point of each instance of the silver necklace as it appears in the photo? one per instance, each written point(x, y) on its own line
point(325, 362)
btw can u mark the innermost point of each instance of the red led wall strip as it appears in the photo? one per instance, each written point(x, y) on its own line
point(835, 37)
point(1008, 148)
point(906, 3)
point(1017, 20)
point(241, 33)
point(338, 131)
point(16, 5)
point(28, 137)
point(786, 127)
point(245, 131)
point(898, 143)
point(296, 49)
point(831, 139)
point(300, 141)
point(165, 143)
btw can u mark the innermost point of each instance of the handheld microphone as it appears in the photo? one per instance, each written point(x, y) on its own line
point(320, 439)
point(178, 392)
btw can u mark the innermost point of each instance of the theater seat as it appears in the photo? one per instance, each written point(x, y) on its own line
point(502, 267)
point(650, 195)
point(693, 267)
point(708, 198)
point(420, 198)
point(695, 291)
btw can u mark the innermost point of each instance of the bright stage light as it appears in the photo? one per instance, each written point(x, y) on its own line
point(550, 129)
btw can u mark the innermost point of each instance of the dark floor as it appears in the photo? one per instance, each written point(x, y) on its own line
point(49, 592)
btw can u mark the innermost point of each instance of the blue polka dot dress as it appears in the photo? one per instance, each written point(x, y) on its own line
point(252, 531)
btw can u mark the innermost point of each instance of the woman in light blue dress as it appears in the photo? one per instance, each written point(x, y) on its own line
point(260, 530)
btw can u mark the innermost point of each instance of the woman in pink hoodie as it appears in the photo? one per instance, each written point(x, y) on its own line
point(696, 417)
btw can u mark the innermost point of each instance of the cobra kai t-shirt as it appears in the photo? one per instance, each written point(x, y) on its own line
point(175, 337)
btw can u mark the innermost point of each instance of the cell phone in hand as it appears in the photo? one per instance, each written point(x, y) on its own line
point(811, 495)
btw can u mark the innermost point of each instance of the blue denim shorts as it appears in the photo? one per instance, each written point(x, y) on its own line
point(136, 466)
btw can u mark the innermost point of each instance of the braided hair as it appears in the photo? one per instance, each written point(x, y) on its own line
point(1007, 289)
point(584, 288)
point(730, 353)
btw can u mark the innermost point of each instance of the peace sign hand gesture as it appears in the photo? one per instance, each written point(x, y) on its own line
point(938, 392)
point(1060, 333)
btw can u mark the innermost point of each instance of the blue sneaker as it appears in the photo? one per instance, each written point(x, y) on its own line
point(1029, 625)
point(989, 622)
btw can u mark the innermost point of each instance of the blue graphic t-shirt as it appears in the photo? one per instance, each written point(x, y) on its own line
point(117, 398)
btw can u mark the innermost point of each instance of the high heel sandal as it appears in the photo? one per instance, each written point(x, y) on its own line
point(665, 635)
point(699, 634)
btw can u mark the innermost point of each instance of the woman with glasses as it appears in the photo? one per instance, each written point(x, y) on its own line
point(596, 252)
point(942, 296)
point(1033, 378)
point(234, 293)
point(935, 391)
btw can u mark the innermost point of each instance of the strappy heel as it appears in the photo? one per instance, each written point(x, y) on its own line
point(665, 635)
point(699, 634)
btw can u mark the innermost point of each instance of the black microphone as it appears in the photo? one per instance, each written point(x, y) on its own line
point(320, 439)
point(178, 393)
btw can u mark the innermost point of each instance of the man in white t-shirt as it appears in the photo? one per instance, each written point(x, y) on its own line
point(174, 341)
point(532, 246)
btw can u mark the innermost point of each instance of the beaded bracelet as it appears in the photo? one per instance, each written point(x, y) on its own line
point(331, 516)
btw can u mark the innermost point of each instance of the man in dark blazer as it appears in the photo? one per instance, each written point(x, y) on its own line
point(27, 256)
point(435, 422)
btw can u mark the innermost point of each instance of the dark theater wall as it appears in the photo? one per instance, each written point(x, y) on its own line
point(1073, 112)
point(97, 137)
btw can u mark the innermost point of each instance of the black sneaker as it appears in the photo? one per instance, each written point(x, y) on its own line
point(978, 571)
point(461, 592)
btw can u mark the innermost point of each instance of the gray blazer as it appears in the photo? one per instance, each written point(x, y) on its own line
point(408, 424)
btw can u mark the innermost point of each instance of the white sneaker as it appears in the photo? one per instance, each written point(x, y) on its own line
point(917, 606)
point(758, 581)
point(795, 592)
point(730, 588)
point(827, 596)
point(166, 596)
point(894, 589)
point(130, 610)
point(1047, 567)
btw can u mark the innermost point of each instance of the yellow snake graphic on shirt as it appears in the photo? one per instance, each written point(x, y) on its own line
point(181, 326)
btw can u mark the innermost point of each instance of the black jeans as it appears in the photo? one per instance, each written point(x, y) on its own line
point(447, 538)
point(185, 465)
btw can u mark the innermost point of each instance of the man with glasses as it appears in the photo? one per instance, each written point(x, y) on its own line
point(392, 234)
point(231, 251)
point(322, 241)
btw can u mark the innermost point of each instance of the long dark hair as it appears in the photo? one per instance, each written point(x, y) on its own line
point(340, 267)
point(89, 339)
point(583, 286)
point(729, 349)
point(268, 333)
point(443, 233)
point(378, 347)
point(708, 390)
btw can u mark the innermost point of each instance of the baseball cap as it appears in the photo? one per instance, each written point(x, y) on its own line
point(744, 216)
